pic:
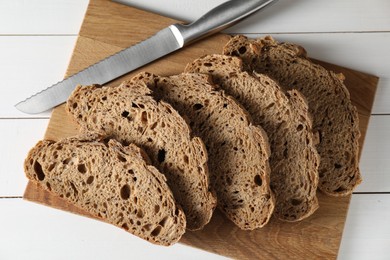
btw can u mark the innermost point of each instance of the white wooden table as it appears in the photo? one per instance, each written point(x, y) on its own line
point(36, 41)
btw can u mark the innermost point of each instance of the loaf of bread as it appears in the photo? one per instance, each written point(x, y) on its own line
point(130, 114)
point(110, 181)
point(294, 160)
point(238, 151)
point(335, 118)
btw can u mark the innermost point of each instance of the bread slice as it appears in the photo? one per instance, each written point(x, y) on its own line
point(238, 151)
point(110, 181)
point(294, 160)
point(334, 117)
point(129, 114)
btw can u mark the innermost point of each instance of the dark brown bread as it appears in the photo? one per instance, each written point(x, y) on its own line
point(238, 151)
point(111, 182)
point(294, 159)
point(334, 117)
point(129, 114)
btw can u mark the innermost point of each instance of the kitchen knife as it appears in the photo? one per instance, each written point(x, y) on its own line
point(162, 43)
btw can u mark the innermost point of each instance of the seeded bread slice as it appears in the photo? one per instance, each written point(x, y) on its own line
point(334, 117)
point(238, 151)
point(110, 181)
point(129, 114)
point(294, 160)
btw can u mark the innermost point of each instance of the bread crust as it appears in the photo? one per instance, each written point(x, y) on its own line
point(111, 182)
point(335, 118)
point(238, 151)
point(130, 114)
point(285, 118)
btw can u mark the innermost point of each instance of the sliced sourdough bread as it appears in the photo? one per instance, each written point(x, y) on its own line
point(335, 118)
point(129, 114)
point(111, 182)
point(238, 151)
point(294, 160)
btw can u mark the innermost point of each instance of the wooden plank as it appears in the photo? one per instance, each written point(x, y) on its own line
point(43, 61)
point(28, 65)
point(341, 48)
point(375, 163)
point(300, 240)
point(382, 98)
point(367, 236)
point(41, 17)
point(64, 17)
point(30, 231)
point(15, 143)
point(286, 16)
point(304, 239)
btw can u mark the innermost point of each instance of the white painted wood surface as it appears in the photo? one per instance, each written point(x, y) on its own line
point(31, 231)
point(36, 41)
point(375, 163)
point(41, 17)
point(18, 136)
point(367, 233)
point(288, 16)
point(29, 64)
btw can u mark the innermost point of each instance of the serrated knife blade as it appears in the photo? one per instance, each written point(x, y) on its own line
point(112, 67)
point(162, 43)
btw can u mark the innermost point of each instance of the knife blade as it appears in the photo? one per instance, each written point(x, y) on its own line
point(168, 40)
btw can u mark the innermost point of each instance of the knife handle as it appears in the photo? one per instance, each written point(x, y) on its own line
point(219, 18)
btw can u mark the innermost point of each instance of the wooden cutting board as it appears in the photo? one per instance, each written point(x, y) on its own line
point(109, 27)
